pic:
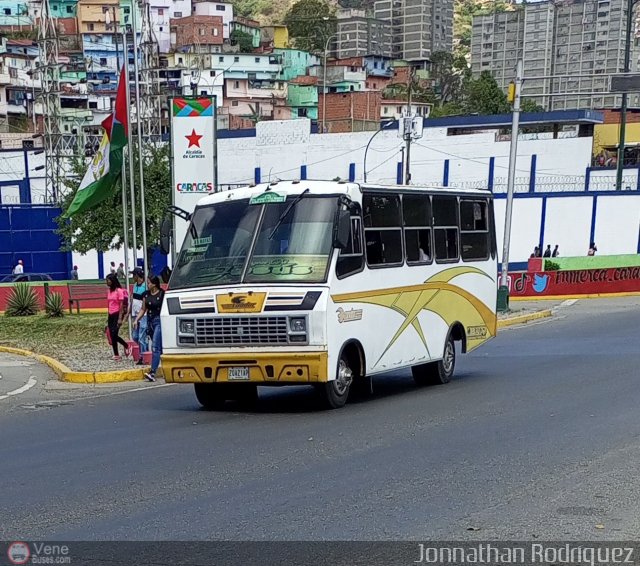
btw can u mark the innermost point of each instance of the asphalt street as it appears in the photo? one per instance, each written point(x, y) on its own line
point(538, 436)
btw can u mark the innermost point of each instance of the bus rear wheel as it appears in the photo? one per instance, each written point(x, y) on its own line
point(440, 372)
point(335, 393)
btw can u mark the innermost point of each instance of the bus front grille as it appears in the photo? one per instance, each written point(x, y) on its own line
point(241, 330)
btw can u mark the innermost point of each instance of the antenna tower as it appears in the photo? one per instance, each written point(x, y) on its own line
point(150, 103)
point(49, 71)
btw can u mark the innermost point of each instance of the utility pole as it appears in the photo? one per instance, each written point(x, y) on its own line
point(408, 131)
point(623, 106)
point(514, 94)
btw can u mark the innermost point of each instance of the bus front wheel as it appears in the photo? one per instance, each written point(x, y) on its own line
point(335, 393)
point(440, 372)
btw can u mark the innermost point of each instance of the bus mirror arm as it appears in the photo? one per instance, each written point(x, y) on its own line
point(166, 228)
point(342, 230)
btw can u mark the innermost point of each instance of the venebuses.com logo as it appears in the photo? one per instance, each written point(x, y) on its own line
point(18, 552)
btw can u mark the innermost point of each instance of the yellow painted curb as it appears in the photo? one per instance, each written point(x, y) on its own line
point(523, 318)
point(66, 374)
point(567, 297)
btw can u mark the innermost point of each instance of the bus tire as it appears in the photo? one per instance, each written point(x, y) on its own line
point(335, 393)
point(440, 372)
point(210, 395)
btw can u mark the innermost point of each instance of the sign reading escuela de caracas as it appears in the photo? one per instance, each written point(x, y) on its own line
point(193, 145)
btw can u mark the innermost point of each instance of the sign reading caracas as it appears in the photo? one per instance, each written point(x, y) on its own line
point(193, 145)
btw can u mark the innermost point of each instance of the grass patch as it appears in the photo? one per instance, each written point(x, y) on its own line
point(50, 336)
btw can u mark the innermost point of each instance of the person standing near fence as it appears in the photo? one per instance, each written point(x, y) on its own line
point(117, 311)
point(151, 307)
point(140, 329)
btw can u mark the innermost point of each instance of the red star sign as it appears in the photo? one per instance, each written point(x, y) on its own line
point(194, 139)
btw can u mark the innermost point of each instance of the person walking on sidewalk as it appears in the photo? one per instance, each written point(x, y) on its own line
point(117, 311)
point(139, 330)
point(151, 307)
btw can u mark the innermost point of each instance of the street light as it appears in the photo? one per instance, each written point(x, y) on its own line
point(623, 106)
point(384, 127)
point(324, 83)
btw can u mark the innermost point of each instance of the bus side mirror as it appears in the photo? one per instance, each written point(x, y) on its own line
point(165, 235)
point(343, 230)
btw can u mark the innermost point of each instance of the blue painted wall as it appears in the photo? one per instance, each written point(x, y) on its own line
point(28, 233)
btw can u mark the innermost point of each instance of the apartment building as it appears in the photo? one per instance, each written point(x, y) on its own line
point(161, 12)
point(419, 28)
point(223, 10)
point(568, 48)
point(359, 35)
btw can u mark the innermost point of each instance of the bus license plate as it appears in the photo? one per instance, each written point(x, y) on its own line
point(238, 374)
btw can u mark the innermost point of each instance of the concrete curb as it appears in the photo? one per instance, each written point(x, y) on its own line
point(524, 318)
point(567, 297)
point(66, 374)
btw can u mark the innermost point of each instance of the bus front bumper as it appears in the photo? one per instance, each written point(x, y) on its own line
point(289, 367)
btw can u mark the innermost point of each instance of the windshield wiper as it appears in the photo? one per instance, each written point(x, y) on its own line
point(286, 213)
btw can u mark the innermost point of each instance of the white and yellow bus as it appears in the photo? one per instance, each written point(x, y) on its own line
point(328, 284)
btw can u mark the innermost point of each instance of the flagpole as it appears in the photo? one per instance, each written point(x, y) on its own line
point(132, 187)
point(125, 226)
point(139, 124)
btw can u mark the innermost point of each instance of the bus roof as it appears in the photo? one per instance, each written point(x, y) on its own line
point(288, 188)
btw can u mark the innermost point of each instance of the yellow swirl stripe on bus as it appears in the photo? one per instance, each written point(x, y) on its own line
point(437, 295)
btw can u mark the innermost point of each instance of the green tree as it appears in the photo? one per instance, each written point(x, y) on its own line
point(448, 72)
point(529, 105)
point(243, 40)
point(101, 228)
point(484, 96)
point(311, 23)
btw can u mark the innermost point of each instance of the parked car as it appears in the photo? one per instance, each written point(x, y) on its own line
point(24, 277)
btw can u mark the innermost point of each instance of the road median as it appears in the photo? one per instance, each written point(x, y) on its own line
point(88, 377)
point(515, 319)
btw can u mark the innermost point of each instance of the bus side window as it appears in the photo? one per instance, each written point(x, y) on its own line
point(382, 229)
point(416, 213)
point(351, 258)
point(445, 228)
point(474, 233)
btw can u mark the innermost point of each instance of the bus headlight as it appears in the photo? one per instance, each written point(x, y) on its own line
point(298, 324)
point(186, 326)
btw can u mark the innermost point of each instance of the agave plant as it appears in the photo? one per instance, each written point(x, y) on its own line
point(54, 305)
point(23, 301)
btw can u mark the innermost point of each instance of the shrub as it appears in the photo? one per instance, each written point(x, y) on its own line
point(551, 266)
point(54, 305)
point(23, 301)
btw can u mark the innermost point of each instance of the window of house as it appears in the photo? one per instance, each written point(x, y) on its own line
point(386, 110)
point(90, 27)
point(214, 31)
point(383, 231)
point(236, 59)
point(180, 61)
point(103, 61)
point(257, 59)
point(416, 215)
point(234, 103)
point(351, 258)
point(221, 59)
point(27, 144)
point(7, 11)
point(177, 14)
point(212, 73)
point(161, 28)
point(474, 230)
point(445, 228)
point(160, 11)
point(236, 84)
point(220, 7)
point(203, 93)
point(93, 104)
point(202, 31)
point(55, 7)
point(69, 10)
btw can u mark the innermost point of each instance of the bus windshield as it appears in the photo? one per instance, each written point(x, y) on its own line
point(235, 242)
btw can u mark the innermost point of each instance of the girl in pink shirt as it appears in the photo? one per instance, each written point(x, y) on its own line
point(117, 310)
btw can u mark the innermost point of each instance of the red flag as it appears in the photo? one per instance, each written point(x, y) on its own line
point(120, 115)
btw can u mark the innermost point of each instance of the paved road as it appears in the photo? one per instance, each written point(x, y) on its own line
point(537, 437)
